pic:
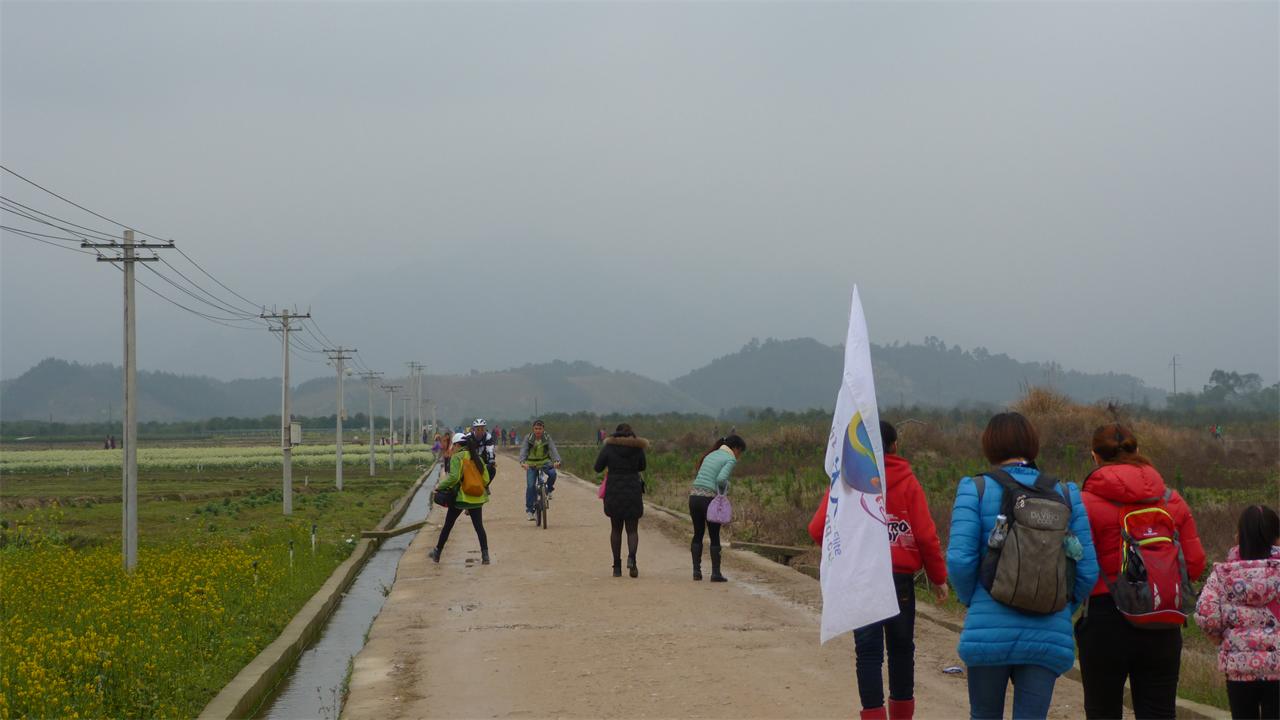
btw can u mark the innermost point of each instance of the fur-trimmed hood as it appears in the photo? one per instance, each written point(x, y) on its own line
point(633, 442)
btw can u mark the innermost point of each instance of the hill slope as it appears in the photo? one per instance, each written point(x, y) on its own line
point(804, 373)
point(71, 392)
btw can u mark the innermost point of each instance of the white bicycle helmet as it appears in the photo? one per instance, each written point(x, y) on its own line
point(479, 422)
point(459, 438)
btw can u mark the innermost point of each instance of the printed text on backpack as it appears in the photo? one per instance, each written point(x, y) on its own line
point(1026, 564)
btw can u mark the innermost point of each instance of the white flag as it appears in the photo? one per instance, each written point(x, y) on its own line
point(857, 571)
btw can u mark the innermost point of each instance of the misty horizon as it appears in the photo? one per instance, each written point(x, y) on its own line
point(646, 187)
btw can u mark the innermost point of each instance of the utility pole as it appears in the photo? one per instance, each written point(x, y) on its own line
point(405, 422)
point(129, 466)
point(286, 418)
point(339, 362)
point(416, 369)
point(371, 377)
point(1174, 364)
point(391, 423)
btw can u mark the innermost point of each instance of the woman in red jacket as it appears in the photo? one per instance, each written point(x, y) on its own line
point(913, 540)
point(1112, 650)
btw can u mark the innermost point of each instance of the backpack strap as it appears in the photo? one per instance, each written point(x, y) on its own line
point(980, 484)
point(1005, 479)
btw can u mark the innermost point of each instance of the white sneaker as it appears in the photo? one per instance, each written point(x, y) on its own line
point(531, 516)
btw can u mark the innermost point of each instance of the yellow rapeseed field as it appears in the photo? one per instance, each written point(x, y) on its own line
point(80, 638)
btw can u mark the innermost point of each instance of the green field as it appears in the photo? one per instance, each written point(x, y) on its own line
point(220, 572)
point(780, 481)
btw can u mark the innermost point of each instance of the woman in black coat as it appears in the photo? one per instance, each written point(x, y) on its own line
point(623, 458)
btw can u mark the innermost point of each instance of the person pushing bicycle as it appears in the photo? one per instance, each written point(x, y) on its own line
point(538, 452)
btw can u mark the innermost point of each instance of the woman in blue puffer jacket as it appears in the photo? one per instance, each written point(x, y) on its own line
point(1000, 643)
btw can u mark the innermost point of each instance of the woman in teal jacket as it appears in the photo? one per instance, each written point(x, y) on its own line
point(1000, 643)
point(465, 450)
point(712, 479)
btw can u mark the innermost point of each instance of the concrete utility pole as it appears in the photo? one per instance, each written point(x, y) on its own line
point(416, 368)
point(371, 377)
point(391, 423)
point(405, 421)
point(286, 417)
point(129, 467)
point(339, 362)
point(1174, 364)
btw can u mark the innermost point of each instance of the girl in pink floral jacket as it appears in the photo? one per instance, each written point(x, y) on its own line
point(1239, 608)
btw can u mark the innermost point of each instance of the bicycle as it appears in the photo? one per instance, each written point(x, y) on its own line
point(541, 501)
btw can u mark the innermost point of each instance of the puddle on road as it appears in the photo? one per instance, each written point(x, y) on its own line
point(313, 689)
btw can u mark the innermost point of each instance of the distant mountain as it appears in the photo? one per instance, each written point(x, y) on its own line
point(782, 374)
point(804, 373)
point(71, 392)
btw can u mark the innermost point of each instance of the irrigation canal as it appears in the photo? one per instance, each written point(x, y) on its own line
point(314, 688)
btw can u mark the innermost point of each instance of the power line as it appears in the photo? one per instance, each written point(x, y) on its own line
point(221, 303)
point(30, 236)
point(43, 235)
point(211, 277)
point(72, 202)
point(91, 233)
point(194, 296)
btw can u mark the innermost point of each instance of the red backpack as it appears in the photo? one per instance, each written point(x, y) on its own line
point(1152, 590)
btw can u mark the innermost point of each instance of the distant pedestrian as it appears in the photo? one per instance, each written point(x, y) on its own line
point(112, 440)
point(712, 479)
point(622, 457)
point(469, 474)
point(1239, 609)
point(599, 436)
point(913, 542)
point(106, 443)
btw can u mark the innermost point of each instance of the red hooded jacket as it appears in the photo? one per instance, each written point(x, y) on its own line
point(1111, 487)
point(913, 539)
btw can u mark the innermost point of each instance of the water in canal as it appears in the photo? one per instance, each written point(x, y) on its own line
point(313, 689)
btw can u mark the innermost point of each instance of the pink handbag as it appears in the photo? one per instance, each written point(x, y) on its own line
point(600, 493)
point(720, 511)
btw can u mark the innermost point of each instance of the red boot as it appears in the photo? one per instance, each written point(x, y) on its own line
point(874, 714)
point(901, 709)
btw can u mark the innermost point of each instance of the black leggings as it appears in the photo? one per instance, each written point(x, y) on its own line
point(633, 538)
point(1111, 650)
point(1254, 699)
point(698, 505)
point(477, 521)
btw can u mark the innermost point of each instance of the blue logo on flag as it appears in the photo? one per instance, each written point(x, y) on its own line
point(858, 461)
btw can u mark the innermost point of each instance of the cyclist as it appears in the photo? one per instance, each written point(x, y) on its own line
point(484, 446)
point(538, 452)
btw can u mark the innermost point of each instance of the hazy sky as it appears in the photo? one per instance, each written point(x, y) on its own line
point(649, 185)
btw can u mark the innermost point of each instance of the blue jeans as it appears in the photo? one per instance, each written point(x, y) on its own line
point(1032, 691)
point(897, 633)
point(531, 479)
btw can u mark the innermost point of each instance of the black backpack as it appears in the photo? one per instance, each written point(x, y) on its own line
point(1026, 565)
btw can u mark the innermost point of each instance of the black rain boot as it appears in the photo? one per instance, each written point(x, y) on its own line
point(484, 557)
point(695, 549)
point(632, 570)
point(434, 554)
point(617, 567)
point(715, 565)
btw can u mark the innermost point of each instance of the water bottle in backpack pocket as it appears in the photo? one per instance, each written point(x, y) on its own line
point(1152, 590)
point(1026, 565)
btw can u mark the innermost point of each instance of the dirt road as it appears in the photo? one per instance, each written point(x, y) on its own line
point(546, 631)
